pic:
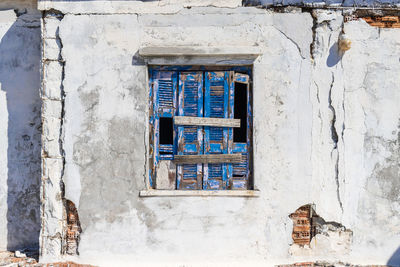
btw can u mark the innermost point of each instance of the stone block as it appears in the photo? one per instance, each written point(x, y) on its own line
point(52, 200)
point(52, 169)
point(52, 80)
point(51, 109)
point(51, 49)
point(50, 137)
point(51, 226)
point(51, 149)
point(51, 128)
point(51, 248)
point(51, 27)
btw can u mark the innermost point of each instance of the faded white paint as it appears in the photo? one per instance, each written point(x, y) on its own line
point(19, 125)
point(352, 178)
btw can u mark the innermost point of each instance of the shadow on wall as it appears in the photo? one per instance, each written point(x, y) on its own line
point(395, 258)
point(335, 55)
point(20, 80)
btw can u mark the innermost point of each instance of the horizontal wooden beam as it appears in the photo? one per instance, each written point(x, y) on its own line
point(201, 121)
point(212, 158)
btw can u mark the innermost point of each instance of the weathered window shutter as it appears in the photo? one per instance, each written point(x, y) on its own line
point(241, 171)
point(174, 93)
point(190, 138)
point(216, 105)
point(164, 93)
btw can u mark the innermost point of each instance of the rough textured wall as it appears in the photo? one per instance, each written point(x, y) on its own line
point(325, 132)
point(20, 125)
point(371, 139)
point(324, 3)
point(126, 6)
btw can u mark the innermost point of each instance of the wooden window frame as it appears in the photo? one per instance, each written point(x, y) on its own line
point(235, 148)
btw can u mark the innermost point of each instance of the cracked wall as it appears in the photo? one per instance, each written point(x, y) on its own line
point(20, 125)
point(313, 236)
point(324, 3)
point(325, 132)
point(373, 113)
point(53, 236)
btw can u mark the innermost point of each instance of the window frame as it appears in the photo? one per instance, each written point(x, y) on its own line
point(235, 147)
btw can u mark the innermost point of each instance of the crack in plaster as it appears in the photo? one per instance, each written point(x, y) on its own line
point(335, 139)
point(334, 134)
point(61, 235)
point(291, 40)
point(314, 37)
point(323, 27)
point(61, 141)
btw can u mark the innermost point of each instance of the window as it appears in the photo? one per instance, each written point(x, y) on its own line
point(200, 128)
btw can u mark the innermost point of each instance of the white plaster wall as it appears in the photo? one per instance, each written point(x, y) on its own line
point(325, 3)
point(20, 125)
point(146, 6)
point(372, 141)
point(297, 93)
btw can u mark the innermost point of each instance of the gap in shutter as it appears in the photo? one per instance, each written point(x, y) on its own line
point(240, 134)
point(166, 131)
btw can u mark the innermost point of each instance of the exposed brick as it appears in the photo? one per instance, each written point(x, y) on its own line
point(384, 21)
point(302, 225)
point(73, 229)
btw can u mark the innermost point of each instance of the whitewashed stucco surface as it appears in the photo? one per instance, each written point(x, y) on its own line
point(351, 179)
point(165, 6)
point(20, 125)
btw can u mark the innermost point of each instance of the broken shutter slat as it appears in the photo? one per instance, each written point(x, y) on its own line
point(190, 138)
point(216, 100)
point(241, 78)
point(212, 158)
point(241, 171)
point(197, 121)
point(164, 85)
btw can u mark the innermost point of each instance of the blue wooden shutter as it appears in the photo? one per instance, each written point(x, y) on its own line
point(241, 171)
point(164, 94)
point(190, 138)
point(216, 105)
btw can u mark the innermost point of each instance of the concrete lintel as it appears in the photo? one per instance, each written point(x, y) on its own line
point(250, 52)
point(199, 193)
point(130, 7)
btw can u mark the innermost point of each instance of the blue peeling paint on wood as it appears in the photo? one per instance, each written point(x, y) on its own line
point(241, 171)
point(190, 138)
point(181, 93)
point(164, 102)
point(216, 105)
point(231, 113)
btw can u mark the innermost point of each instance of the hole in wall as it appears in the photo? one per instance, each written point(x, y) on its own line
point(303, 230)
point(73, 229)
point(307, 224)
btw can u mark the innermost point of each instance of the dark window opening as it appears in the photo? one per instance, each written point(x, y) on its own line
point(240, 108)
point(166, 131)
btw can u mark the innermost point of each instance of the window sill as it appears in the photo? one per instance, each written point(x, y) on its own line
point(199, 193)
